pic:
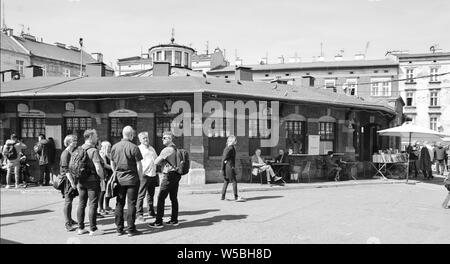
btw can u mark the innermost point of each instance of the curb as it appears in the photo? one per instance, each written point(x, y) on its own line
point(243, 189)
point(305, 186)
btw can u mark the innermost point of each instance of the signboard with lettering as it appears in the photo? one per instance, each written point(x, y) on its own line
point(313, 144)
point(32, 113)
point(123, 113)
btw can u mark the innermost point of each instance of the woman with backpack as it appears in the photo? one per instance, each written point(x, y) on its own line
point(69, 190)
point(11, 152)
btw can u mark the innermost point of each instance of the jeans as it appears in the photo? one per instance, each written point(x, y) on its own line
point(225, 186)
point(130, 194)
point(91, 191)
point(10, 167)
point(45, 173)
point(147, 187)
point(440, 167)
point(169, 186)
point(68, 209)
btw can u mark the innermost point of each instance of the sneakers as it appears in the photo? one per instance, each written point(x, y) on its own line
point(141, 219)
point(73, 222)
point(156, 225)
point(7, 186)
point(120, 232)
point(172, 223)
point(133, 233)
point(82, 231)
point(70, 228)
point(240, 199)
point(276, 178)
point(97, 232)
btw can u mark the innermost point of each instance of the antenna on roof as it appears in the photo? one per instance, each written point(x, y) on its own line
point(3, 16)
point(28, 29)
point(367, 47)
point(23, 29)
point(207, 47)
point(321, 49)
point(173, 36)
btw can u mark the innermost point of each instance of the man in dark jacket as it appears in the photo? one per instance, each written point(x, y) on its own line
point(425, 163)
point(126, 163)
point(42, 150)
point(411, 150)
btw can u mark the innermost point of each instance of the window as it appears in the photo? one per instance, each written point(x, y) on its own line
point(434, 75)
point(410, 75)
point(32, 127)
point(375, 71)
point(326, 131)
point(158, 55)
point(434, 98)
point(409, 98)
point(44, 70)
point(350, 87)
point(77, 126)
point(177, 58)
point(296, 136)
point(168, 56)
point(386, 71)
point(116, 126)
point(386, 89)
point(330, 84)
point(412, 118)
point(255, 136)
point(66, 72)
point(19, 64)
point(287, 74)
point(374, 89)
point(186, 60)
point(433, 123)
point(266, 75)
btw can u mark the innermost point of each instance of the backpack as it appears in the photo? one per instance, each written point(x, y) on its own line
point(79, 164)
point(11, 152)
point(182, 161)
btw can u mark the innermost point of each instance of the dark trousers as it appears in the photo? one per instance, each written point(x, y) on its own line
point(101, 199)
point(129, 193)
point(231, 179)
point(147, 187)
point(88, 191)
point(427, 173)
point(68, 209)
point(169, 186)
point(413, 166)
point(45, 173)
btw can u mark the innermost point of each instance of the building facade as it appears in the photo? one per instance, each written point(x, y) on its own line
point(209, 61)
point(14, 57)
point(305, 120)
point(425, 88)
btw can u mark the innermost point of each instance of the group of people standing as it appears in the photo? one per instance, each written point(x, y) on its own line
point(132, 168)
point(422, 157)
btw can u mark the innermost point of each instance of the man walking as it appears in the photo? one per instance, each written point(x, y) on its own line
point(42, 150)
point(425, 163)
point(149, 178)
point(169, 182)
point(126, 163)
point(89, 185)
point(439, 156)
point(11, 151)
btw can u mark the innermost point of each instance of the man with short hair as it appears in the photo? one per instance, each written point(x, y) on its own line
point(126, 163)
point(13, 163)
point(42, 149)
point(149, 179)
point(169, 182)
point(89, 186)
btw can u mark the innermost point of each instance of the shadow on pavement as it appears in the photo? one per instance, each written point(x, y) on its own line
point(437, 180)
point(18, 222)
point(198, 212)
point(6, 241)
point(30, 212)
point(262, 197)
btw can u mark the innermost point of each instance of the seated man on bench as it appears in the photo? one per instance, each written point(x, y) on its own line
point(259, 165)
point(334, 168)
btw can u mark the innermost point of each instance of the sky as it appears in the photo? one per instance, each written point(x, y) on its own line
point(248, 28)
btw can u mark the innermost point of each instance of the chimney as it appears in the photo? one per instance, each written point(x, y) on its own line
point(61, 45)
point(243, 74)
point(338, 58)
point(359, 56)
point(33, 71)
point(98, 56)
point(307, 81)
point(161, 68)
point(9, 31)
point(96, 69)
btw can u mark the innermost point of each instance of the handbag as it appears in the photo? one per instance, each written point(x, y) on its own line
point(58, 182)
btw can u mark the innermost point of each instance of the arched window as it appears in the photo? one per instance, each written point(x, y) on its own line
point(295, 127)
point(327, 132)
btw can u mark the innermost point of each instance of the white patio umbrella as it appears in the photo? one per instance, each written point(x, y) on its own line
point(414, 132)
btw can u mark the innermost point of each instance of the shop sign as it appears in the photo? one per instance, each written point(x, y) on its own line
point(123, 113)
point(32, 114)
